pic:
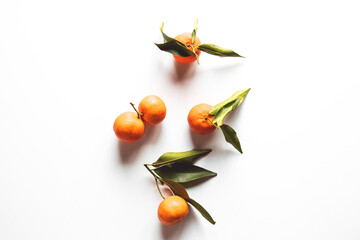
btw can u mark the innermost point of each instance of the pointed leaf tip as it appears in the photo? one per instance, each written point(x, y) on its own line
point(166, 37)
point(231, 137)
point(201, 209)
point(218, 51)
point(183, 172)
point(193, 35)
point(180, 157)
point(221, 110)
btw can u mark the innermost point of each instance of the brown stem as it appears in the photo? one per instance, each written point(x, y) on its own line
point(156, 179)
point(139, 114)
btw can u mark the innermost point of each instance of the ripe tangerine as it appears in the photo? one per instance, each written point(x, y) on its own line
point(197, 119)
point(186, 39)
point(128, 127)
point(172, 210)
point(153, 109)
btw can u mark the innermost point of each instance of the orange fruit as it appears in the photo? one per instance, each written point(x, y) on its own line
point(152, 109)
point(197, 119)
point(172, 210)
point(128, 127)
point(186, 39)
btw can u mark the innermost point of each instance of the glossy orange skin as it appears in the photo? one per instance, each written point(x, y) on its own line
point(172, 210)
point(128, 127)
point(186, 39)
point(197, 121)
point(153, 109)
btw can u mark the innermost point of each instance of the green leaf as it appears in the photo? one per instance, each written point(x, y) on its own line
point(179, 190)
point(222, 109)
point(193, 35)
point(176, 188)
point(202, 210)
point(221, 114)
point(231, 137)
point(238, 95)
point(180, 157)
point(218, 51)
point(166, 37)
point(183, 173)
point(176, 48)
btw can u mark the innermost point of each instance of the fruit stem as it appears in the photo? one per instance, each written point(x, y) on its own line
point(156, 179)
point(157, 185)
point(193, 49)
point(206, 118)
point(139, 114)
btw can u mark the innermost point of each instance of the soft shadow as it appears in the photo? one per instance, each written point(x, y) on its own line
point(196, 182)
point(166, 191)
point(223, 154)
point(234, 114)
point(128, 152)
point(202, 141)
point(174, 232)
point(223, 68)
point(183, 72)
point(214, 141)
point(228, 67)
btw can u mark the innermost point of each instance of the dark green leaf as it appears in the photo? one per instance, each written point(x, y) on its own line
point(180, 157)
point(222, 109)
point(166, 37)
point(230, 136)
point(218, 51)
point(183, 173)
point(202, 210)
point(176, 188)
point(176, 48)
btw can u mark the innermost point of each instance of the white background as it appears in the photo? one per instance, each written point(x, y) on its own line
point(69, 68)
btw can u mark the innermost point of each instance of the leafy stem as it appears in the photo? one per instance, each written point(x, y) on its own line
point(152, 173)
point(157, 185)
point(156, 180)
point(193, 49)
point(139, 114)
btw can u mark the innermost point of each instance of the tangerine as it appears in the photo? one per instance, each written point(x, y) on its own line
point(198, 121)
point(186, 38)
point(128, 127)
point(152, 109)
point(172, 210)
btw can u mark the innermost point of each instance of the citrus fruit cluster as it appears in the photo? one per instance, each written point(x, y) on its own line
point(130, 126)
point(176, 169)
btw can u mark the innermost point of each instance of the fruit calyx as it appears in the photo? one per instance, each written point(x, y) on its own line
point(206, 118)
